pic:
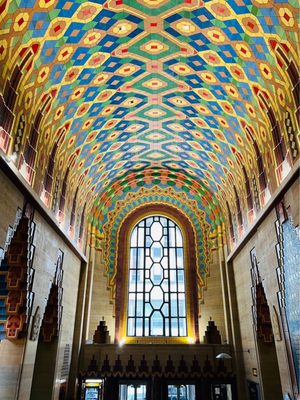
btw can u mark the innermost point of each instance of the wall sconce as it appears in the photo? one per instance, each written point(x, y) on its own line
point(228, 356)
point(223, 356)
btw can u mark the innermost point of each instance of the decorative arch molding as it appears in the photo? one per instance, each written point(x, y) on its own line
point(121, 258)
point(104, 237)
point(164, 179)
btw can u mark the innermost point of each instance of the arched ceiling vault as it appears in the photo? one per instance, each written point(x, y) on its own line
point(101, 95)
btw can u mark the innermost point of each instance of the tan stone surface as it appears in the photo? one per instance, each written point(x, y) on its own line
point(212, 304)
point(264, 241)
point(102, 304)
point(47, 243)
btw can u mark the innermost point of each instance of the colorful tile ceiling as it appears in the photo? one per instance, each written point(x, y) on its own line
point(124, 86)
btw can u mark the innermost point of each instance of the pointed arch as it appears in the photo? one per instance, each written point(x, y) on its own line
point(231, 229)
point(9, 98)
point(73, 214)
point(28, 158)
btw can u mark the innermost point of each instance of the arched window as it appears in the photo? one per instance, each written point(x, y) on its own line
point(156, 292)
point(157, 278)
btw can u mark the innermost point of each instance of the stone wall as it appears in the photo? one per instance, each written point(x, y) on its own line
point(211, 306)
point(264, 241)
point(17, 357)
point(102, 304)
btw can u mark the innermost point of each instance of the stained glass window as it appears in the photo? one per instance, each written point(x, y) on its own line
point(156, 298)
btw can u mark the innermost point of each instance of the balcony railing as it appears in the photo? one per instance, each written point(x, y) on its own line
point(5, 139)
point(282, 170)
point(60, 215)
point(46, 197)
point(26, 170)
point(265, 196)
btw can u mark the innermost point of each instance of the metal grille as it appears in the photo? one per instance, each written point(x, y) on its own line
point(156, 299)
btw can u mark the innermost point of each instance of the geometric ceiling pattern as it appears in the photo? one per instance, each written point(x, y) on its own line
point(203, 91)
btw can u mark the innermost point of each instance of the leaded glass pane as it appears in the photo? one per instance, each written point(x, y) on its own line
point(139, 305)
point(174, 304)
point(131, 305)
point(157, 324)
point(130, 325)
point(139, 327)
point(141, 237)
point(140, 281)
point(172, 237)
point(148, 241)
point(156, 252)
point(157, 274)
point(182, 327)
point(149, 221)
point(156, 231)
point(140, 260)
point(163, 221)
point(178, 237)
point(146, 331)
point(156, 297)
point(179, 252)
point(133, 237)
point(149, 262)
point(148, 285)
point(156, 279)
point(173, 283)
point(180, 278)
point(148, 309)
point(165, 310)
point(133, 258)
point(165, 286)
point(132, 280)
point(181, 305)
point(174, 327)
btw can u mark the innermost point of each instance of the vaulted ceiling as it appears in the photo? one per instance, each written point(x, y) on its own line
point(179, 96)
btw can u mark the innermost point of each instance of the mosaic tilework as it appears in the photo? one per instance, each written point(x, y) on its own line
point(143, 84)
point(159, 186)
point(165, 179)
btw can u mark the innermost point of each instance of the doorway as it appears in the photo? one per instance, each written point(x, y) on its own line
point(181, 392)
point(133, 391)
point(221, 391)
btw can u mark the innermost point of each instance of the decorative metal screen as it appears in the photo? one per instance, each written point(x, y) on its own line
point(156, 300)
